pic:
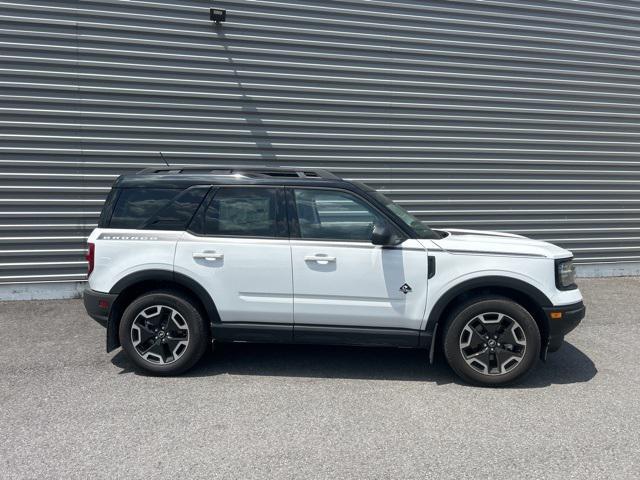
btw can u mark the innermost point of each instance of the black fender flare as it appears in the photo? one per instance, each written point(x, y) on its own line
point(157, 275)
point(524, 288)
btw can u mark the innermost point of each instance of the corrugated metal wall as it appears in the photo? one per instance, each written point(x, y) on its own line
point(520, 116)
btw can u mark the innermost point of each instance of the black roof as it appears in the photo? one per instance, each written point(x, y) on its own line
point(179, 177)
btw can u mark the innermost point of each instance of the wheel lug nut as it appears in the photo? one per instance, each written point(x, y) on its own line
point(484, 344)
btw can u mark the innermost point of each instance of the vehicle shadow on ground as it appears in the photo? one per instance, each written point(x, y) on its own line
point(568, 365)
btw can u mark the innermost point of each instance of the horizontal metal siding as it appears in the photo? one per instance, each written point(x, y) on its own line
point(520, 116)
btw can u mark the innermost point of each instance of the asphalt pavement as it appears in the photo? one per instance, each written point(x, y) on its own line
point(69, 410)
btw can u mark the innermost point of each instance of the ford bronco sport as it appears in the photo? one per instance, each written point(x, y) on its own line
point(185, 257)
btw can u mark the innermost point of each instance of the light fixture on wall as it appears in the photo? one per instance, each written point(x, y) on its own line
point(218, 15)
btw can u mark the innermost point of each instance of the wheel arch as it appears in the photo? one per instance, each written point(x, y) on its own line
point(137, 283)
point(525, 294)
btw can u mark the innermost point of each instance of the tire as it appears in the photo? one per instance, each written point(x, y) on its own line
point(470, 335)
point(163, 333)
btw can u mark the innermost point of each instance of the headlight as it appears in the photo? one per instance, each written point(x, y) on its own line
point(565, 274)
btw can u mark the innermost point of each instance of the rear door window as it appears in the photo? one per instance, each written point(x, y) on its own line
point(246, 212)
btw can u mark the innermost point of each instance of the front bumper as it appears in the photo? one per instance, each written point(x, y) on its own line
point(562, 320)
point(98, 304)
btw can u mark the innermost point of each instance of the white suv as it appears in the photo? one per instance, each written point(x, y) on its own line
point(184, 257)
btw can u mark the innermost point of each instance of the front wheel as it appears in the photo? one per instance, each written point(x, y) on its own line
point(163, 333)
point(491, 341)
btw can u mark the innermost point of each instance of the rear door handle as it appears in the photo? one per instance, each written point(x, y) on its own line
point(319, 258)
point(208, 255)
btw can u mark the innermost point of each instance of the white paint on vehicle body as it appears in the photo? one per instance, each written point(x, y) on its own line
point(361, 286)
point(119, 253)
point(487, 243)
point(328, 282)
point(249, 279)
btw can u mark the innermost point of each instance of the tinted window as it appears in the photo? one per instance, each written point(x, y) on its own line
point(135, 206)
point(107, 208)
point(420, 228)
point(178, 213)
point(328, 214)
point(156, 208)
point(243, 212)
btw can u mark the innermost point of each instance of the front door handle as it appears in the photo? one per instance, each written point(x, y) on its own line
point(319, 258)
point(208, 255)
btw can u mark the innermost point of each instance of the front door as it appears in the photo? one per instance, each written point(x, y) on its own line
point(340, 279)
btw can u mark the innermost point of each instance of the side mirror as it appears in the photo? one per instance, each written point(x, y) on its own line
point(383, 235)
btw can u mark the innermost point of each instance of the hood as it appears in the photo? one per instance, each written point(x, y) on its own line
point(487, 242)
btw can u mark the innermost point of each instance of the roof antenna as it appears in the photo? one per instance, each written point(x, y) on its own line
point(164, 159)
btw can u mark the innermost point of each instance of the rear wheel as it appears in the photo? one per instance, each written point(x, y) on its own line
point(163, 333)
point(491, 341)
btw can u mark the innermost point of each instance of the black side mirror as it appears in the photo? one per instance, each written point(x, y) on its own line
point(383, 235)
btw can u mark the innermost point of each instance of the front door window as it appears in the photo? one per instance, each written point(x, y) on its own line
point(334, 215)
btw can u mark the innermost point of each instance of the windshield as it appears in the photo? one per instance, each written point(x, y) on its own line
point(408, 219)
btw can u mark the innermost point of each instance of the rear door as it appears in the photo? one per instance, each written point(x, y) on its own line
point(238, 250)
point(340, 279)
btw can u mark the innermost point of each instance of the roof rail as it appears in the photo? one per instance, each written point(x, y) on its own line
point(261, 172)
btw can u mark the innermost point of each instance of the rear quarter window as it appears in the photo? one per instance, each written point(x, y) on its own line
point(156, 208)
point(107, 208)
